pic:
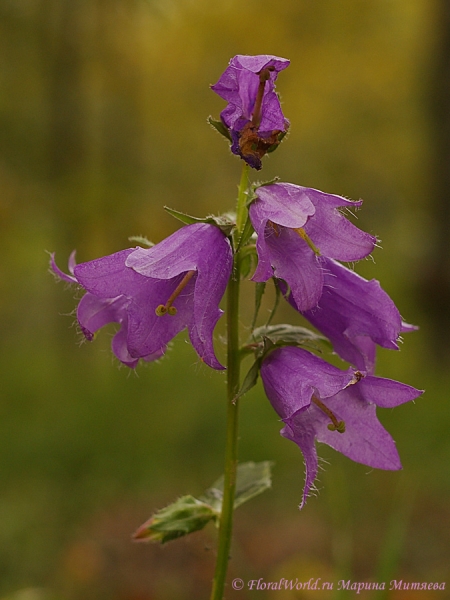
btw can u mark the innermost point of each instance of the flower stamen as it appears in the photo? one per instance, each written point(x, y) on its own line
point(275, 227)
point(335, 425)
point(264, 75)
point(167, 308)
point(302, 233)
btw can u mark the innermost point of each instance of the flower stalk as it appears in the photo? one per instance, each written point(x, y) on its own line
point(233, 385)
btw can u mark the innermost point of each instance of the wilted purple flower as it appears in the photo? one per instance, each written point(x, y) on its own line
point(355, 315)
point(154, 293)
point(318, 401)
point(296, 228)
point(253, 115)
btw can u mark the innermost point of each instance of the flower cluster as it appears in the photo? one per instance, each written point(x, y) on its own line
point(301, 237)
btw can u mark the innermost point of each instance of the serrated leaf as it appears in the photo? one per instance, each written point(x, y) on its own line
point(184, 516)
point(252, 479)
point(220, 127)
point(189, 514)
point(221, 222)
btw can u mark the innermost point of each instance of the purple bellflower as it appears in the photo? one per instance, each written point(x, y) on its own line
point(355, 315)
point(297, 227)
point(253, 115)
point(154, 293)
point(317, 401)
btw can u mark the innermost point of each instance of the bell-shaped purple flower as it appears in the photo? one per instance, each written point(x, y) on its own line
point(253, 115)
point(355, 315)
point(317, 401)
point(154, 293)
point(296, 228)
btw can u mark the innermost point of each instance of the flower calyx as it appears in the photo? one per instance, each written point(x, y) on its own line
point(224, 222)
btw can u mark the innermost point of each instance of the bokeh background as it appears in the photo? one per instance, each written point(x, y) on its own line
point(103, 107)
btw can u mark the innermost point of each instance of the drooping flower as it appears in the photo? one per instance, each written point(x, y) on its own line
point(154, 293)
point(317, 401)
point(355, 315)
point(296, 228)
point(253, 115)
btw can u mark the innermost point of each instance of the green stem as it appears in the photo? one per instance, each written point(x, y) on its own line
point(241, 209)
point(233, 384)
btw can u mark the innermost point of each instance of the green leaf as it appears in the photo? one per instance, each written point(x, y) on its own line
point(220, 127)
point(184, 516)
point(189, 514)
point(248, 260)
point(252, 479)
point(223, 222)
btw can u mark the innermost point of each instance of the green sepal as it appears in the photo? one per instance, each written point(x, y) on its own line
point(276, 303)
point(220, 127)
point(189, 514)
point(250, 380)
point(257, 184)
point(281, 136)
point(260, 288)
point(142, 240)
point(223, 222)
point(246, 234)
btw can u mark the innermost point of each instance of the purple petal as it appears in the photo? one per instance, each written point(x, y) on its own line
point(304, 438)
point(365, 440)
point(185, 250)
point(108, 277)
point(213, 276)
point(57, 271)
point(149, 333)
point(334, 235)
point(119, 346)
point(355, 314)
point(293, 261)
point(93, 313)
point(386, 393)
point(239, 84)
point(282, 203)
point(292, 375)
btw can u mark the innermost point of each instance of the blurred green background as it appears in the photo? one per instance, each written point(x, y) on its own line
point(103, 107)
